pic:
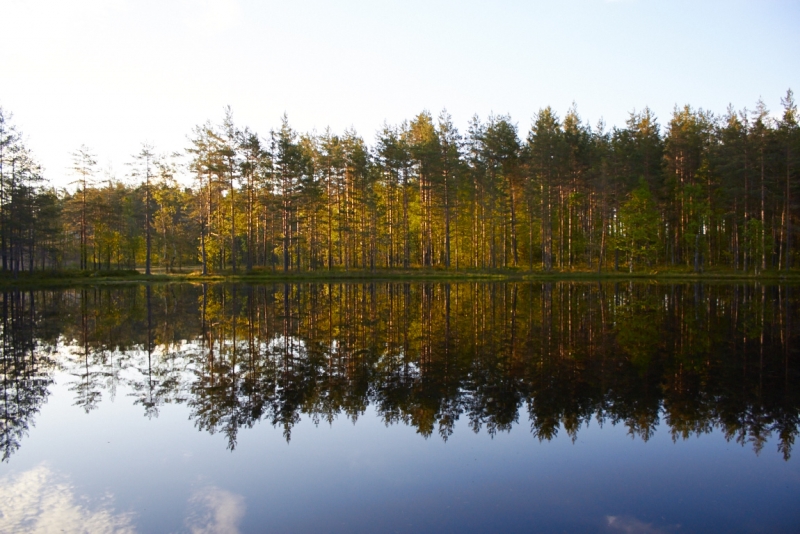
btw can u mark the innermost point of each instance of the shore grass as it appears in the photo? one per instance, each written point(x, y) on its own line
point(66, 278)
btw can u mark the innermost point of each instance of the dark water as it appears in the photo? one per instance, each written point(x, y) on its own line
point(401, 408)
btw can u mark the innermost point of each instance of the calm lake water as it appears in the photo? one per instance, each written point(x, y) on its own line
point(396, 407)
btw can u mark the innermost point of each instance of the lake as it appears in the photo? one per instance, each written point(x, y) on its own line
point(401, 407)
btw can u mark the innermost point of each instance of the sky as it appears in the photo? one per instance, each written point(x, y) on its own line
point(112, 74)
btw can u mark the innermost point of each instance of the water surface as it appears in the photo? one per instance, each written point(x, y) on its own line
point(400, 407)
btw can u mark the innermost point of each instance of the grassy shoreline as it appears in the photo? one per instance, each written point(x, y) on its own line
point(68, 278)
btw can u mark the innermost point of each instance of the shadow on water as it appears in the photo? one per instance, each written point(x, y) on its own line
point(695, 357)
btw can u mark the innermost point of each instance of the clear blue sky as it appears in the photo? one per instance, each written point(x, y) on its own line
point(113, 73)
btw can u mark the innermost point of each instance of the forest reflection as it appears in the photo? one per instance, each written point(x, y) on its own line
point(695, 357)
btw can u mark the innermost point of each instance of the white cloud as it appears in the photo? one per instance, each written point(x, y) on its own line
point(39, 501)
point(215, 511)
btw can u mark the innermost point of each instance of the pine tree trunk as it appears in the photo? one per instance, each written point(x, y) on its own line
point(147, 223)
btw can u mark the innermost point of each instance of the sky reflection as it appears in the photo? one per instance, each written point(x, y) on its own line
point(40, 500)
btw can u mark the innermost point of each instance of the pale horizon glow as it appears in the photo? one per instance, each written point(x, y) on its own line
point(112, 74)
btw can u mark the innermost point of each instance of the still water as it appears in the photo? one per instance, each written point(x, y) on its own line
point(396, 407)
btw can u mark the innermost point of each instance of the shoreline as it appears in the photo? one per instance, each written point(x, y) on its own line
point(80, 278)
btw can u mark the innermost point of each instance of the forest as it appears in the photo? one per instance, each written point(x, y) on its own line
point(702, 192)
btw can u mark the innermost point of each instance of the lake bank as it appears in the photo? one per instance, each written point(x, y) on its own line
point(68, 278)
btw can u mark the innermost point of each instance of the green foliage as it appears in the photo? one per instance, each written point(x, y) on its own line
point(638, 222)
point(712, 192)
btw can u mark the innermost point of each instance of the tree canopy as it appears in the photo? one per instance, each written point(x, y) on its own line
point(702, 191)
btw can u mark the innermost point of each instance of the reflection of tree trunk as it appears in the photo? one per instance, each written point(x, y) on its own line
point(286, 319)
point(251, 337)
point(84, 338)
point(203, 315)
point(149, 344)
point(234, 312)
point(547, 308)
point(446, 320)
point(787, 302)
point(763, 218)
point(761, 343)
point(513, 319)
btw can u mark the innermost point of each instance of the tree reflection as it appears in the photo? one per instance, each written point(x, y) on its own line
point(692, 357)
point(27, 365)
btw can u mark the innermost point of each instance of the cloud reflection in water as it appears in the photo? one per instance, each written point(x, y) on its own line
point(38, 500)
point(631, 525)
point(215, 511)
